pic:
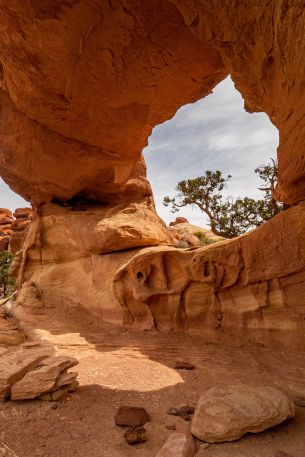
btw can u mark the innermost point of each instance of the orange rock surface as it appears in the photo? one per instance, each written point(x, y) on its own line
point(83, 84)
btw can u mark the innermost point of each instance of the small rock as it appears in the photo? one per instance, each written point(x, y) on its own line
point(131, 416)
point(204, 445)
point(170, 427)
point(300, 401)
point(184, 412)
point(227, 413)
point(178, 444)
point(186, 409)
point(135, 435)
point(180, 365)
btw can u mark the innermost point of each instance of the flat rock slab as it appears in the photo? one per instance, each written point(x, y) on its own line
point(131, 416)
point(15, 363)
point(228, 413)
point(178, 444)
point(32, 371)
point(49, 375)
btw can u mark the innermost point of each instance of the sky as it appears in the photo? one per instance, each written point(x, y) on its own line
point(215, 133)
point(8, 198)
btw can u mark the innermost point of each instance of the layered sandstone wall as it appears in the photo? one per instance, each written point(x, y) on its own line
point(83, 84)
point(256, 280)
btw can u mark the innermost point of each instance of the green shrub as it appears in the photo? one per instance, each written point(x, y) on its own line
point(6, 283)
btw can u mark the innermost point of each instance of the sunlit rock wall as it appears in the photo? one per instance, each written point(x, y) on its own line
point(82, 86)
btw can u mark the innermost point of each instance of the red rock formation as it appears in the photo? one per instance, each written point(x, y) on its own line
point(13, 230)
point(83, 85)
point(6, 219)
point(178, 220)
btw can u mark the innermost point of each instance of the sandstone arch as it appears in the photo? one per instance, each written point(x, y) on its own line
point(83, 84)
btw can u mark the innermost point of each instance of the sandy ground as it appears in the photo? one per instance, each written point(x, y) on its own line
point(119, 367)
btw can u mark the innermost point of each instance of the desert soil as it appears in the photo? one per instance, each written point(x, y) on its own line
point(122, 367)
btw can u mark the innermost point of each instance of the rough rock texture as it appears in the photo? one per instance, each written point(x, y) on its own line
point(32, 370)
point(228, 413)
point(14, 228)
point(178, 444)
point(82, 86)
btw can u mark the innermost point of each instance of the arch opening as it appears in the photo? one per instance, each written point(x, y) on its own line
point(214, 133)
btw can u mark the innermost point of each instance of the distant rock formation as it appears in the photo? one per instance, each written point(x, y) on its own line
point(178, 220)
point(14, 228)
point(6, 220)
point(186, 235)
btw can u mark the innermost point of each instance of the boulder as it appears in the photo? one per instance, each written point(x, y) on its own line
point(178, 444)
point(228, 413)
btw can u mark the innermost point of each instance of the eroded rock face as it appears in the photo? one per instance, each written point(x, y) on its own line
point(256, 280)
point(83, 84)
